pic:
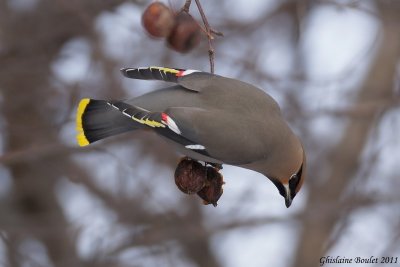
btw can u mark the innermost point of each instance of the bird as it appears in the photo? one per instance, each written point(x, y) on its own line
point(206, 117)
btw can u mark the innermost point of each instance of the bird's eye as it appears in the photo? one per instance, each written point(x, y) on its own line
point(300, 172)
point(293, 182)
point(295, 179)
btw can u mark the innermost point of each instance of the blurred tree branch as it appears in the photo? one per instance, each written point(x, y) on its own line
point(37, 158)
point(317, 229)
point(26, 59)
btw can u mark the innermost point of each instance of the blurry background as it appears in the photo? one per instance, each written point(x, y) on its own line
point(333, 66)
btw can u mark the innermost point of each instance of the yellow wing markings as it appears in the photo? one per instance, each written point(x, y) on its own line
point(151, 123)
point(138, 114)
point(164, 69)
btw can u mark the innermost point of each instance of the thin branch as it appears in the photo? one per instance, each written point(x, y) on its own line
point(210, 34)
point(211, 51)
point(186, 6)
point(208, 30)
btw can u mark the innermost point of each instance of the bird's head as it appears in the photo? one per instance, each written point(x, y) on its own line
point(289, 185)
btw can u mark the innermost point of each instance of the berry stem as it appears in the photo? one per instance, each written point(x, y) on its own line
point(210, 32)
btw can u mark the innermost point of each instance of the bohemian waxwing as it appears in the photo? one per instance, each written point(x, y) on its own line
point(208, 118)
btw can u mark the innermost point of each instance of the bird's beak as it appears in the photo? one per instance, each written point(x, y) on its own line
point(288, 201)
point(288, 198)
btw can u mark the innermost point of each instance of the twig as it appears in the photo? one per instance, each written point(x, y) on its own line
point(209, 31)
point(211, 51)
point(186, 6)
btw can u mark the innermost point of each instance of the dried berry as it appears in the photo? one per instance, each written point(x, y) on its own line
point(186, 33)
point(190, 176)
point(212, 191)
point(158, 20)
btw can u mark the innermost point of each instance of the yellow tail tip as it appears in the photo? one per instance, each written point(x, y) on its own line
point(81, 138)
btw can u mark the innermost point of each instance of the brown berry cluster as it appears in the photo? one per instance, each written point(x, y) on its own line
point(191, 177)
point(180, 30)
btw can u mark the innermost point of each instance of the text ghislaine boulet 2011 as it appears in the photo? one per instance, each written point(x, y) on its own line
point(362, 260)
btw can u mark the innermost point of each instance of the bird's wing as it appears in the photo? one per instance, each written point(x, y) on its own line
point(232, 139)
point(190, 79)
point(162, 123)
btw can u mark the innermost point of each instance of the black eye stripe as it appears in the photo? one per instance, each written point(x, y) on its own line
point(293, 183)
point(280, 187)
point(300, 172)
point(295, 180)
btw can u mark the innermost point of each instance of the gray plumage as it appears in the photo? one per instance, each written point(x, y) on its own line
point(235, 122)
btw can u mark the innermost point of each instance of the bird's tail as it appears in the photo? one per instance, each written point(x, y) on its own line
point(96, 120)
